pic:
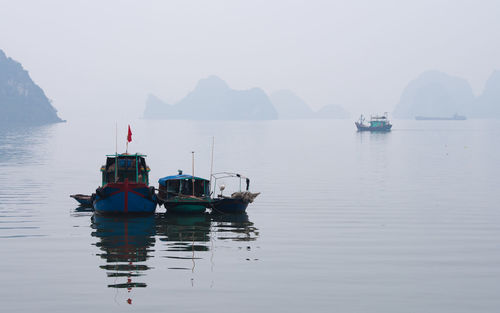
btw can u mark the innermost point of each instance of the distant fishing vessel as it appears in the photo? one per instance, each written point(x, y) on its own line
point(455, 117)
point(184, 193)
point(238, 201)
point(377, 123)
point(125, 186)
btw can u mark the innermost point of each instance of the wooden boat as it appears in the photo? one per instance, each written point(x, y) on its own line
point(125, 186)
point(378, 123)
point(83, 200)
point(238, 201)
point(184, 194)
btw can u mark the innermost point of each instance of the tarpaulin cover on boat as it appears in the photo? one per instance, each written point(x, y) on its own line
point(163, 181)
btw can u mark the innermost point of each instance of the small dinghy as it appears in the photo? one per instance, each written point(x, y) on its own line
point(84, 200)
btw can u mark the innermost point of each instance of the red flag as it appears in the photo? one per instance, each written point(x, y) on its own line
point(129, 136)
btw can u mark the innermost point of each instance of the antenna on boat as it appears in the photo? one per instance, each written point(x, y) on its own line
point(192, 165)
point(116, 137)
point(116, 151)
point(212, 160)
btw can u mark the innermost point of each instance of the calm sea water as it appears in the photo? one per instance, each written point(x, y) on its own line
point(407, 221)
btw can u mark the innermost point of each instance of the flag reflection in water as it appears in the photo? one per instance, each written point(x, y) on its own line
point(125, 244)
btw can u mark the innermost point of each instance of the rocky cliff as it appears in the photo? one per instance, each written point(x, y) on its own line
point(21, 100)
point(488, 103)
point(435, 94)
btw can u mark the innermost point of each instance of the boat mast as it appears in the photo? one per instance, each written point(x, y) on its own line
point(116, 138)
point(136, 169)
point(212, 160)
point(192, 165)
point(116, 152)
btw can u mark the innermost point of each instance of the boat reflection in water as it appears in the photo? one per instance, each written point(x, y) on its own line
point(235, 227)
point(184, 232)
point(187, 239)
point(126, 244)
point(184, 241)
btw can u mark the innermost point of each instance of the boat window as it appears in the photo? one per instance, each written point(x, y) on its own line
point(173, 186)
point(186, 187)
point(130, 175)
point(143, 175)
point(126, 170)
point(199, 188)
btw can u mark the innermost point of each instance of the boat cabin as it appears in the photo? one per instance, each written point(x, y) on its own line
point(119, 167)
point(183, 185)
point(378, 121)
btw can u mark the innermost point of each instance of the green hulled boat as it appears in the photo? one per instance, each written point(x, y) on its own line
point(185, 194)
point(378, 123)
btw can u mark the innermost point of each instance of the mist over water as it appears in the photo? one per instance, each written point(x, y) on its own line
point(405, 221)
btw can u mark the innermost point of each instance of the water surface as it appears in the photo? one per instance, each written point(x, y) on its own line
point(406, 221)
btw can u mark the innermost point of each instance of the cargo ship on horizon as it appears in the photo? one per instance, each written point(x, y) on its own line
point(455, 117)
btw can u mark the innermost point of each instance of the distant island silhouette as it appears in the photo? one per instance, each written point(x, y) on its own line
point(434, 93)
point(21, 100)
point(488, 103)
point(437, 94)
point(213, 99)
point(291, 106)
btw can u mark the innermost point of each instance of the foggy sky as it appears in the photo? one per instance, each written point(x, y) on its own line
point(103, 57)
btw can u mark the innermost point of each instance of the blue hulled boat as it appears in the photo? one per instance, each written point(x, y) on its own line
point(238, 201)
point(125, 186)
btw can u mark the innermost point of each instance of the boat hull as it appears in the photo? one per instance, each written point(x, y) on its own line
point(84, 200)
point(185, 207)
point(384, 128)
point(228, 205)
point(125, 198)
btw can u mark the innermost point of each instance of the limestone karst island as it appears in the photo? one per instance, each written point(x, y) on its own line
point(22, 101)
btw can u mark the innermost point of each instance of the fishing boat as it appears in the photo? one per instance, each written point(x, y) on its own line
point(84, 200)
point(238, 201)
point(377, 123)
point(125, 186)
point(184, 193)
